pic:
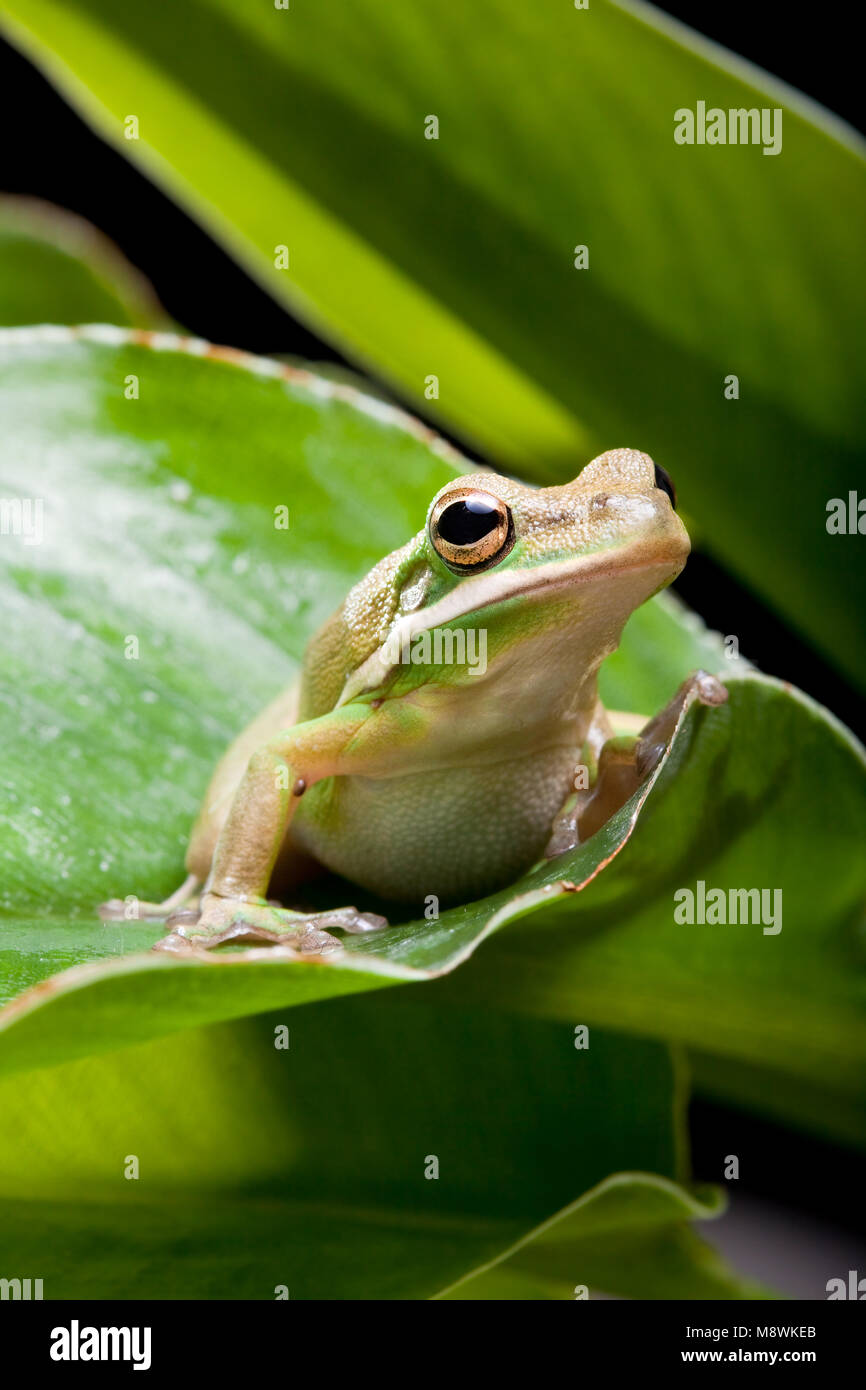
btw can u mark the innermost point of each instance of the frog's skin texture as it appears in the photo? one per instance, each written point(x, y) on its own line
point(442, 776)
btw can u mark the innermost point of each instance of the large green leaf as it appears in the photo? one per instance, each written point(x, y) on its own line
point(56, 268)
point(158, 517)
point(304, 1165)
point(304, 128)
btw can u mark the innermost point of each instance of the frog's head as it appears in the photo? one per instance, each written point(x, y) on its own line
point(548, 575)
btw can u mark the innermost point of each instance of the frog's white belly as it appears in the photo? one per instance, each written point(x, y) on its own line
point(456, 833)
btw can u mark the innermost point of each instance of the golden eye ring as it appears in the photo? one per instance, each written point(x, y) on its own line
point(471, 529)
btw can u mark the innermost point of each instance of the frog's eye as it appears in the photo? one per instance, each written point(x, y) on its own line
point(665, 483)
point(470, 529)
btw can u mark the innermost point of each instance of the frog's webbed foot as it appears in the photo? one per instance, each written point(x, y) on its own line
point(624, 764)
point(133, 909)
point(223, 920)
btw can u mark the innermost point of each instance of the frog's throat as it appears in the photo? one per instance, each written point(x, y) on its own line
point(484, 590)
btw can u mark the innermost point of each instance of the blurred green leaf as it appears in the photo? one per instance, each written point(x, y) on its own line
point(304, 1164)
point(453, 257)
point(608, 1240)
point(56, 268)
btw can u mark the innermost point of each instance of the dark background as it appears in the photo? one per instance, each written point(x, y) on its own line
point(48, 152)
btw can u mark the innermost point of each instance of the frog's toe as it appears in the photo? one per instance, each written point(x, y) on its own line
point(134, 909)
point(175, 944)
point(183, 917)
point(112, 911)
point(317, 942)
point(350, 920)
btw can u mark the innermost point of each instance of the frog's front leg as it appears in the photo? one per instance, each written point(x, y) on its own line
point(234, 905)
point(624, 763)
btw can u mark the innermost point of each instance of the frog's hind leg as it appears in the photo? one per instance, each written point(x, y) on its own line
point(131, 908)
point(624, 762)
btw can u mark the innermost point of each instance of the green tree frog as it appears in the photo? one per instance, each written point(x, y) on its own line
point(435, 740)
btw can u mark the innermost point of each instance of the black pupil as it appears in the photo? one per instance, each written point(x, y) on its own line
point(663, 481)
point(465, 523)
